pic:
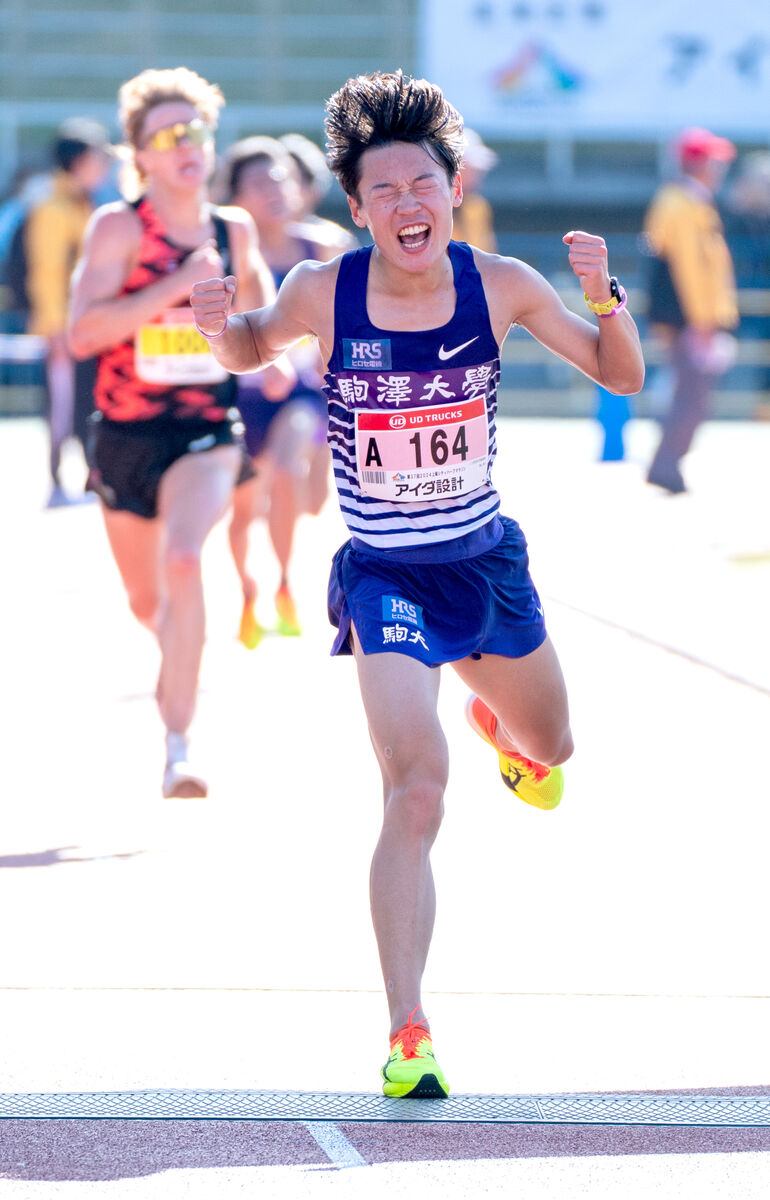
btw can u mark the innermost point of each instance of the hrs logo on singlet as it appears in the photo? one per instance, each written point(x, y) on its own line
point(367, 356)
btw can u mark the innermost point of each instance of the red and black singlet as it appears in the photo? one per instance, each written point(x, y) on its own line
point(166, 369)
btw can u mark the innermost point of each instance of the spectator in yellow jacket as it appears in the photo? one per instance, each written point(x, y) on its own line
point(693, 300)
point(53, 238)
point(473, 221)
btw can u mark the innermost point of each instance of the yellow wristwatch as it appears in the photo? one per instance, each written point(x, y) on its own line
point(608, 308)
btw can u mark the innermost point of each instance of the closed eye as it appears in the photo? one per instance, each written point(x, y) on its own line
point(422, 185)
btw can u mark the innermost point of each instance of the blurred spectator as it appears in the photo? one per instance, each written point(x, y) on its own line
point(747, 219)
point(747, 228)
point(693, 300)
point(473, 220)
point(314, 180)
point(26, 191)
point(53, 235)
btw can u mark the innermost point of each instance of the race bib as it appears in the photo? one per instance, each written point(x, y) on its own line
point(422, 453)
point(171, 351)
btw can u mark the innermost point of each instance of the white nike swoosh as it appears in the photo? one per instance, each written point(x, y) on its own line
point(445, 354)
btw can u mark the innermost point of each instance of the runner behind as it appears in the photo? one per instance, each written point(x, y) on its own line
point(285, 433)
point(166, 455)
point(411, 330)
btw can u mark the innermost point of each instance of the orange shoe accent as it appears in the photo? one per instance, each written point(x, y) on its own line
point(250, 633)
point(484, 719)
point(533, 782)
point(411, 1070)
point(410, 1036)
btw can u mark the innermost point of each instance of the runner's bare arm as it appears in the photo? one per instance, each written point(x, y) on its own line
point(99, 317)
point(607, 351)
point(255, 286)
point(304, 306)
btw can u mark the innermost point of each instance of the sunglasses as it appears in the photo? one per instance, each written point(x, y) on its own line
point(195, 132)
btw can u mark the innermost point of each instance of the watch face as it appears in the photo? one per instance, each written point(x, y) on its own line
point(614, 289)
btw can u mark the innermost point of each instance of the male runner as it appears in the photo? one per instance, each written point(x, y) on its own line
point(286, 434)
point(166, 455)
point(411, 330)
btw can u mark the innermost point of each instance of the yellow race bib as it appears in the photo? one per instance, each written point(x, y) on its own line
point(171, 351)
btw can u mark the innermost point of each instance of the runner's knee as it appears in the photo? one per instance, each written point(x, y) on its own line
point(549, 747)
point(182, 566)
point(415, 808)
point(239, 522)
point(144, 605)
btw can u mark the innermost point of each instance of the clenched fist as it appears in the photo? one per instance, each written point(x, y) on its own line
point(211, 301)
point(588, 259)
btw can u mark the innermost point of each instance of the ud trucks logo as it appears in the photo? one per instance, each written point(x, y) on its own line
point(397, 422)
point(366, 356)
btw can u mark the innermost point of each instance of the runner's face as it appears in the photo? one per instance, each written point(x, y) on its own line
point(183, 167)
point(405, 200)
point(268, 192)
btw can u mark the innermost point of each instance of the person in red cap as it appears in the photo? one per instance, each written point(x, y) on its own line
point(693, 301)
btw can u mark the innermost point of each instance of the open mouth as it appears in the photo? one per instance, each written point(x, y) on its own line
point(414, 237)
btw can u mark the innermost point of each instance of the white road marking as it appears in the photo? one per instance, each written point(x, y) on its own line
point(334, 1144)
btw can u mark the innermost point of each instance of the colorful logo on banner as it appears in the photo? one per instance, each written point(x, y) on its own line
point(536, 69)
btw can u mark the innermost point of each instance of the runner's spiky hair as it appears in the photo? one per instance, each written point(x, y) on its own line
point(374, 110)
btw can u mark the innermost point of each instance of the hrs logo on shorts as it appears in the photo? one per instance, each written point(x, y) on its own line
point(367, 356)
point(395, 608)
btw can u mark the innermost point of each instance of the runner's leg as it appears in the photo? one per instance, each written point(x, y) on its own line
point(135, 544)
point(245, 508)
point(400, 696)
point(194, 494)
point(60, 376)
point(282, 518)
point(529, 698)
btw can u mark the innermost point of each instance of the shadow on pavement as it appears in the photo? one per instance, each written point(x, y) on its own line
point(57, 857)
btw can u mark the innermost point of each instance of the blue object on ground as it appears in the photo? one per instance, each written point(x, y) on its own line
point(612, 413)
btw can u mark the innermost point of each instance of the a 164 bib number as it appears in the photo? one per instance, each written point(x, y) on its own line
point(422, 453)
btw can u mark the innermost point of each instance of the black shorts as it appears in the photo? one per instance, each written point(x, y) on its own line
point(131, 457)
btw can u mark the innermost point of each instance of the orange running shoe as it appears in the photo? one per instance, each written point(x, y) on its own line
point(412, 1071)
point(250, 632)
point(531, 781)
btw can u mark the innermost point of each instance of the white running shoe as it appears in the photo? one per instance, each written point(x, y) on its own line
point(180, 780)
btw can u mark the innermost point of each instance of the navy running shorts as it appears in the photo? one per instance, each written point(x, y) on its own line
point(131, 457)
point(258, 414)
point(438, 612)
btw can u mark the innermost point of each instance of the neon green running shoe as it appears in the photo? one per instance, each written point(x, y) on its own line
point(412, 1071)
point(288, 622)
point(531, 781)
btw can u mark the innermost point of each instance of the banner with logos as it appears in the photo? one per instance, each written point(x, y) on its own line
point(644, 67)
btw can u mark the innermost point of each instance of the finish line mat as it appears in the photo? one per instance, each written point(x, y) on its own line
point(568, 1109)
